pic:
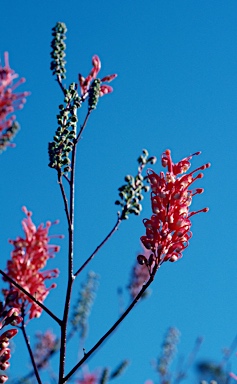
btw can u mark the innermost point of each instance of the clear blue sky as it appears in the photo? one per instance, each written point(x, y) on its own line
point(176, 89)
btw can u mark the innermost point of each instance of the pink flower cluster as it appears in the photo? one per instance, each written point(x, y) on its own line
point(85, 82)
point(10, 316)
point(9, 101)
point(28, 258)
point(168, 229)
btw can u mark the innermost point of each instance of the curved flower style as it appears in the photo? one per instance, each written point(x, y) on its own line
point(9, 102)
point(28, 258)
point(168, 229)
point(86, 82)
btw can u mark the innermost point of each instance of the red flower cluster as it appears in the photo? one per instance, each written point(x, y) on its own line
point(85, 82)
point(9, 101)
point(10, 316)
point(168, 229)
point(28, 258)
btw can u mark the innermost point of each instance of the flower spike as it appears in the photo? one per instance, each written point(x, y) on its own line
point(168, 229)
point(28, 258)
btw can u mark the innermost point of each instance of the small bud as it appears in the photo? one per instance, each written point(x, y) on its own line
point(141, 260)
point(145, 152)
point(146, 188)
point(173, 258)
point(152, 160)
point(128, 178)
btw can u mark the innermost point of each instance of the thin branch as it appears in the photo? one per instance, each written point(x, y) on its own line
point(51, 314)
point(43, 361)
point(70, 217)
point(65, 177)
point(59, 81)
point(23, 326)
point(121, 217)
point(114, 229)
point(112, 329)
point(71, 277)
point(83, 125)
point(64, 198)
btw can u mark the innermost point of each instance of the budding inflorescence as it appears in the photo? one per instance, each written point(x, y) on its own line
point(65, 136)
point(94, 94)
point(169, 348)
point(57, 65)
point(131, 194)
point(84, 303)
point(8, 135)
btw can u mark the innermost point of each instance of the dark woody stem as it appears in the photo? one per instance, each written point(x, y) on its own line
point(70, 219)
point(112, 329)
point(31, 297)
point(23, 326)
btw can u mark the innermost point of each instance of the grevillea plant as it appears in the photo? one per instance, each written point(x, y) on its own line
point(10, 101)
point(167, 231)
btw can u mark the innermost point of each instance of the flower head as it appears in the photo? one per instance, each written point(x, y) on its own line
point(86, 82)
point(28, 258)
point(168, 229)
point(9, 101)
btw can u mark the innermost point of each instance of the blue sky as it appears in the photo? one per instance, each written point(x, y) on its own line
point(176, 88)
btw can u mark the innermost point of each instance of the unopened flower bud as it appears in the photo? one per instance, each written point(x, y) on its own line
point(3, 379)
point(173, 258)
point(145, 152)
point(141, 259)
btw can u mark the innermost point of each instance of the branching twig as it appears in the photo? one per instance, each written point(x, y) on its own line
point(51, 314)
point(122, 317)
point(71, 277)
point(114, 229)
